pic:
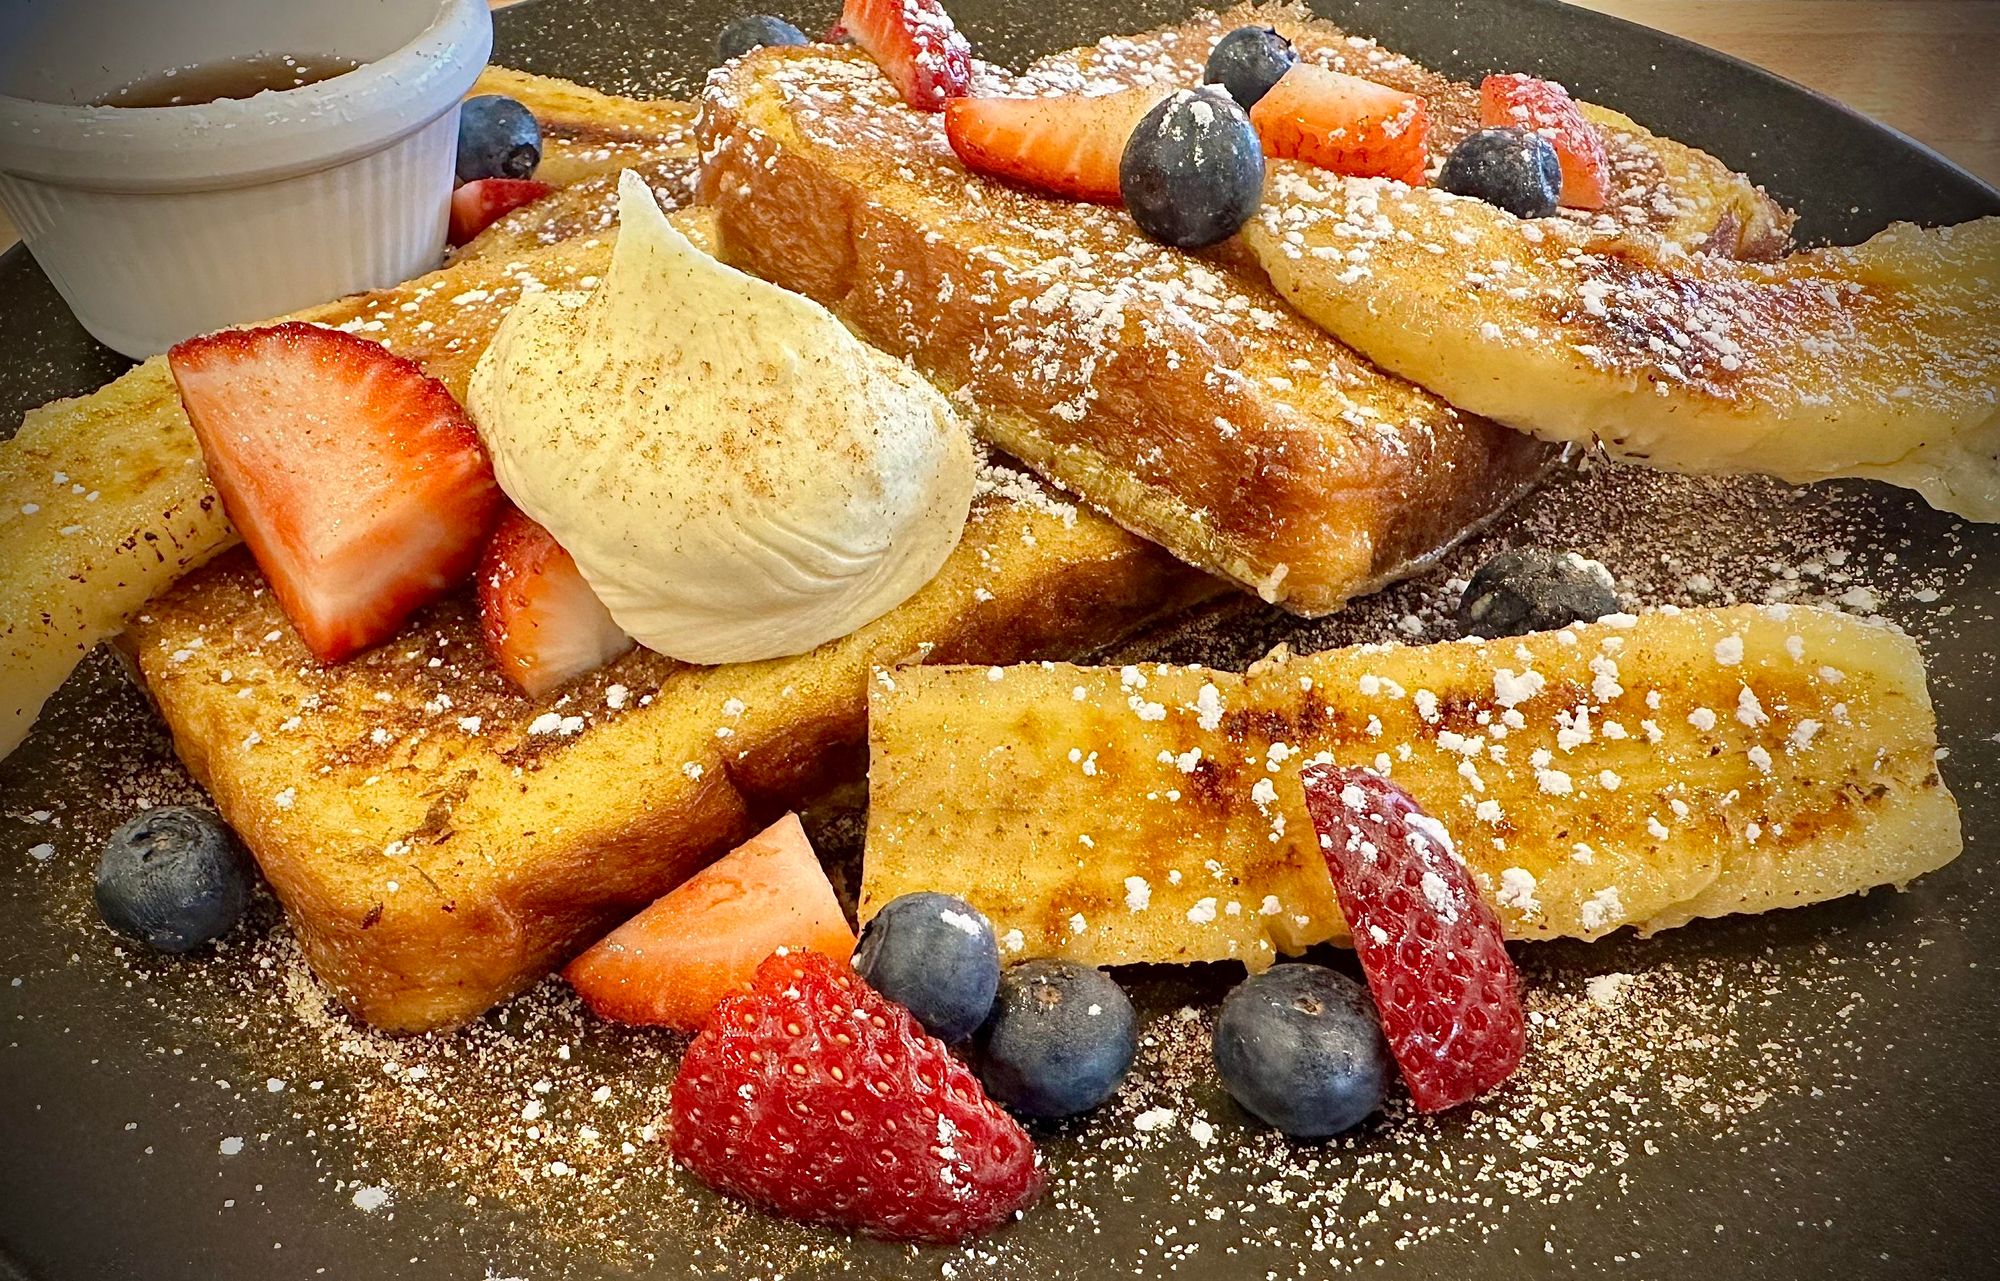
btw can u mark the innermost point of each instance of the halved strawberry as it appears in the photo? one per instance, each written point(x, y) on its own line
point(1429, 944)
point(478, 205)
point(915, 45)
point(1344, 123)
point(1067, 146)
point(671, 963)
point(1523, 102)
point(542, 623)
point(358, 482)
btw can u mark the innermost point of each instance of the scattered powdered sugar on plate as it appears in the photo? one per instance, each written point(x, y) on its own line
point(1648, 1059)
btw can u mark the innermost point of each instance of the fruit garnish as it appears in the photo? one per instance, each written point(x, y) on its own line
point(1523, 102)
point(935, 956)
point(1193, 171)
point(1512, 169)
point(1248, 61)
point(498, 137)
point(1344, 123)
point(815, 1097)
point(478, 205)
point(1429, 944)
point(541, 622)
point(1530, 589)
point(358, 482)
point(703, 940)
point(1300, 1048)
point(915, 45)
point(1064, 146)
point(1061, 1038)
point(173, 877)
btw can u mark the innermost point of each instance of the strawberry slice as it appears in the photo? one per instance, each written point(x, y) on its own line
point(814, 1096)
point(1523, 102)
point(542, 623)
point(674, 961)
point(915, 44)
point(1344, 123)
point(355, 478)
point(479, 204)
point(1429, 944)
point(1067, 146)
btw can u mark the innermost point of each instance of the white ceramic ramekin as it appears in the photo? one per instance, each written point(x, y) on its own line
point(161, 222)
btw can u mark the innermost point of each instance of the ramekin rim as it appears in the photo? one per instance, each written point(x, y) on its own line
point(297, 131)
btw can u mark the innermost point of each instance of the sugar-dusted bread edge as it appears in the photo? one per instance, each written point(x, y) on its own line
point(431, 881)
point(1307, 496)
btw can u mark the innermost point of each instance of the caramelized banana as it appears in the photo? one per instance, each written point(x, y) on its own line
point(1642, 771)
point(1878, 361)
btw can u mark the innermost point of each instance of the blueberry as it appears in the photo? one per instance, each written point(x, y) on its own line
point(1531, 590)
point(1513, 168)
point(497, 138)
point(173, 878)
point(1060, 1040)
point(1300, 1048)
point(935, 956)
point(1247, 62)
point(753, 31)
point(1193, 170)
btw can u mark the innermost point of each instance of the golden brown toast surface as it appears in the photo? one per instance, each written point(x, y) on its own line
point(441, 842)
point(1176, 392)
point(1643, 771)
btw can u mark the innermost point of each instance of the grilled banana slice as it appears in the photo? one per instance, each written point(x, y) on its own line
point(1880, 360)
point(1642, 771)
point(104, 503)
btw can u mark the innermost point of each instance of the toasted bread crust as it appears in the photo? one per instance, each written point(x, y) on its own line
point(1175, 392)
point(441, 842)
point(510, 850)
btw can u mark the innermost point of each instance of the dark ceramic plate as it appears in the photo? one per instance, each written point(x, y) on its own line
point(1803, 1094)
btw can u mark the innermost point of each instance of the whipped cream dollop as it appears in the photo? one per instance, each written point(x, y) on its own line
point(736, 475)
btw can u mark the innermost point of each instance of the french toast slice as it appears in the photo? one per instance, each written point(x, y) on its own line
point(104, 503)
point(441, 841)
point(1643, 771)
point(1880, 360)
point(1175, 392)
point(1172, 391)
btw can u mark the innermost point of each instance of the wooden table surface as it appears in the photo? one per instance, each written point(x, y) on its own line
point(1930, 68)
point(1927, 67)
